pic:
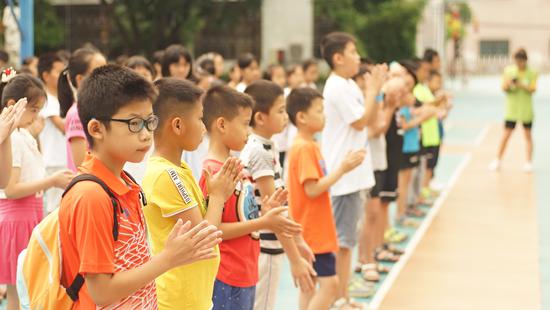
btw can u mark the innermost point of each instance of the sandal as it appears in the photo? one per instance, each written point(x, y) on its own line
point(405, 221)
point(413, 211)
point(345, 304)
point(383, 269)
point(370, 272)
point(426, 197)
point(392, 248)
point(386, 256)
point(392, 235)
point(359, 288)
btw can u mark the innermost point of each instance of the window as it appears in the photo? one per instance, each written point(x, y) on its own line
point(492, 48)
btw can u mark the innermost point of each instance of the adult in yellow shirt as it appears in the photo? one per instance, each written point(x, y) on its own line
point(519, 82)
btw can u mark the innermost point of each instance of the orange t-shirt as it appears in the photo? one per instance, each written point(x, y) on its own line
point(315, 215)
point(86, 234)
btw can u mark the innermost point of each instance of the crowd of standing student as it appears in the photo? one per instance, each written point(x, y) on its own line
point(241, 174)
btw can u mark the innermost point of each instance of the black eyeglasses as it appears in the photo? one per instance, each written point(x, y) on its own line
point(136, 124)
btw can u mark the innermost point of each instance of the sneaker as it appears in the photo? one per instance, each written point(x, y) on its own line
point(494, 165)
point(528, 167)
point(427, 198)
point(392, 235)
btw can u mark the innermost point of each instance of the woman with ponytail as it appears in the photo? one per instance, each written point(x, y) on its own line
point(81, 63)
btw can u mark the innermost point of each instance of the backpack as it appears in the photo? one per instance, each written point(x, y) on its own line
point(247, 208)
point(39, 266)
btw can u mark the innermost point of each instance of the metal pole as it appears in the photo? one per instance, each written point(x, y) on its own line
point(27, 28)
point(439, 14)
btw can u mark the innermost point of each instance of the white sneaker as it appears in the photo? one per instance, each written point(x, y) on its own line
point(528, 167)
point(494, 165)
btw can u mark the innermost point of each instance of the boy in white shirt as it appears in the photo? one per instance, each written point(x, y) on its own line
point(348, 110)
point(52, 137)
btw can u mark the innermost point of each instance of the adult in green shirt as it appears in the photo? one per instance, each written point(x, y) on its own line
point(519, 82)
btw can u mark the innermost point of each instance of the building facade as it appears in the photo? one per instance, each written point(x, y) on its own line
point(498, 29)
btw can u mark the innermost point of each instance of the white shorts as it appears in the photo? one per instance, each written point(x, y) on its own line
point(270, 273)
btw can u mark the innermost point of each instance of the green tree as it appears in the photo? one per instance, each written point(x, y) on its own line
point(49, 30)
point(147, 25)
point(385, 29)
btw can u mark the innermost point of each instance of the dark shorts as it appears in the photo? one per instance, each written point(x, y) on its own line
point(394, 149)
point(379, 178)
point(512, 124)
point(410, 160)
point(388, 191)
point(226, 296)
point(432, 156)
point(325, 264)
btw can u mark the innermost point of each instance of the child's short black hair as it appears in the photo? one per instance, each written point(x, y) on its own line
point(410, 66)
point(290, 70)
point(430, 54)
point(300, 100)
point(223, 101)
point(268, 73)
point(434, 73)
point(46, 61)
point(28, 60)
point(4, 56)
point(174, 96)
point(367, 61)
point(264, 94)
point(107, 90)
point(334, 43)
point(245, 60)
point(140, 61)
point(157, 57)
point(363, 68)
point(207, 65)
point(122, 59)
point(521, 54)
point(21, 86)
point(308, 63)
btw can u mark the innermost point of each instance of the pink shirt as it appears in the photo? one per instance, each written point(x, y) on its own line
point(73, 129)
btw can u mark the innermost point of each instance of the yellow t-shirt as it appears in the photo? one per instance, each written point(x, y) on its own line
point(170, 190)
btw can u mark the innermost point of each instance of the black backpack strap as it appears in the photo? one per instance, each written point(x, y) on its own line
point(114, 201)
point(75, 287)
point(141, 194)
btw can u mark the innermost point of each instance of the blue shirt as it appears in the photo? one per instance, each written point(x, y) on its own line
point(411, 137)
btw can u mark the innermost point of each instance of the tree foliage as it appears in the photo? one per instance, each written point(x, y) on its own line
point(49, 30)
point(147, 25)
point(385, 29)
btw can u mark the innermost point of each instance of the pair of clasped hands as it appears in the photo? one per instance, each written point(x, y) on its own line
point(187, 244)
